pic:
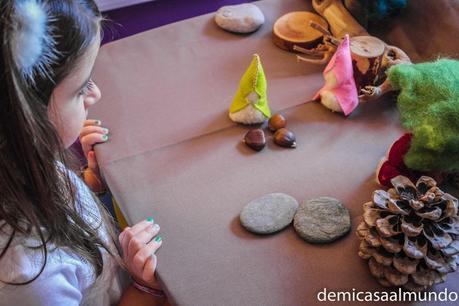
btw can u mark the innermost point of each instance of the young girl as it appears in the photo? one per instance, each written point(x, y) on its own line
point(56, 242)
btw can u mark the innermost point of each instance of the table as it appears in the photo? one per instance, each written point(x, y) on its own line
point(175, 155)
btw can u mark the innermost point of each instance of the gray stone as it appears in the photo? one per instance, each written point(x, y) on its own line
point(322, 220)
point(269, 213)
point(242, 18)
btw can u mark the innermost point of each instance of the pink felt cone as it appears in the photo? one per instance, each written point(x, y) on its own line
point(340, 86)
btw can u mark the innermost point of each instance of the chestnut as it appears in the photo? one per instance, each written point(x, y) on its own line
point(285, 138)
point(255, 139)
point(276, 122)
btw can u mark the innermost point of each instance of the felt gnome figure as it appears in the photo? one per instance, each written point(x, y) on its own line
point(339, 93)
point(428, 103)
point(250, 104)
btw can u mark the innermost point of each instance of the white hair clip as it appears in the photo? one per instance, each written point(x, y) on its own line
point(32, 43)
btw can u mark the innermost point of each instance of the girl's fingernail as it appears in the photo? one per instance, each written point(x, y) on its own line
point(158, 238)
point(98, 122)
point(104, 137)
point(150, 219)
point(156, 226)
point(106, 131)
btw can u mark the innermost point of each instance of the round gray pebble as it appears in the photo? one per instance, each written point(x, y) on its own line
point(269, 213)
point(242, 18)
point(322, 220)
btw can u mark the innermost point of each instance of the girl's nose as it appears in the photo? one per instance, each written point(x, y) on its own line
point(93, 95)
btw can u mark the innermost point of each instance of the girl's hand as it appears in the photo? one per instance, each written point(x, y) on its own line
point(91, 134)
point(91, 174)
point(139, 244)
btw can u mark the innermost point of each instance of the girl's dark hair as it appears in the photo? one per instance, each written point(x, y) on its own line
point(37, 197)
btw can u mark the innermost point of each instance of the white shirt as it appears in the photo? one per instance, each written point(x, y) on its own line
point(67, 280)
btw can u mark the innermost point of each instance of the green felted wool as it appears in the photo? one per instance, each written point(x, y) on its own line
point(254, 79)
point(429, 108)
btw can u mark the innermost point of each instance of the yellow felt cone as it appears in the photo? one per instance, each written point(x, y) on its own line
point(250, 104)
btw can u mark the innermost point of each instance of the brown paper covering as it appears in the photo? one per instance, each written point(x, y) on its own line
point(174, 155)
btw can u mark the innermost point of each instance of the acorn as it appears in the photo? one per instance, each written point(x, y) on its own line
point(285, 138)
point(255, 139)
point(276, 122)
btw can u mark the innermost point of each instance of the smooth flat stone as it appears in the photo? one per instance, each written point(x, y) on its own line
point(242, 18)
point(269, 213)
point(322, 220)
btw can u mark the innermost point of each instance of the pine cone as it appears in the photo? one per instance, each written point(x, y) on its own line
point(410, 234)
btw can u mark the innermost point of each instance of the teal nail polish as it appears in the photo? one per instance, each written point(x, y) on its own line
point(98, 122)
point(158, 238)
point(150, 219)
point(104, 137)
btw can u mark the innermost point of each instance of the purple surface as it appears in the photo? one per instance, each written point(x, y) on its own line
point(142, 17)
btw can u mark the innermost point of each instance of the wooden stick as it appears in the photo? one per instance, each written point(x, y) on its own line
point(371, 93)
point(317, 61)
point(319, 28)
point(306, 51)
